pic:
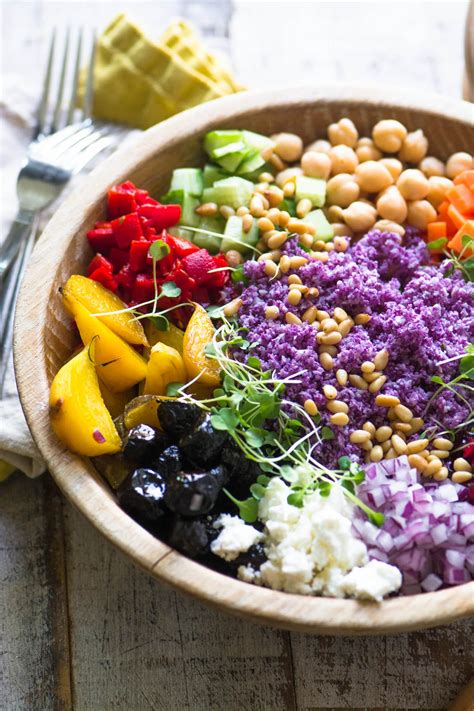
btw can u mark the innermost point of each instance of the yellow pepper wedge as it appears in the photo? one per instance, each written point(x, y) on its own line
point(143, 410)
point(78, 413)
point(118, 365)
point(165, 366)
point(173, 337)
point(116, 402)
point(198, 334)
point(97, 300)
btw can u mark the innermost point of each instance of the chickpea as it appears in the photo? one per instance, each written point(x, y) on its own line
point(341, 230)
point(438, 186)
point(432, 166)
point(319, 146)
point(288, 146)
point(366, 150)
point(389, 135)
point(233, 258)
point(342, 189)
point(413, 185)
point(360, 216)
point(343, 132)
point(393, 166)
point(414, 147)
point(389, 226)
point(316, 165)
point(287, 175)
point(421, 213)
point(392, 206)
point(457, 163)
point(343, 159)
point(373, 177)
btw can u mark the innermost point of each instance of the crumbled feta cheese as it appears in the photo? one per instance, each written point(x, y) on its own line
point(235, 537)
point(373, 581)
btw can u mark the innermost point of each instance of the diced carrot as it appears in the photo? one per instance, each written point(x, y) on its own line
point(443, 216)
point(436, 230)
point(456, 242)
point(456, 216)
point(465, 178)
point(461, 197)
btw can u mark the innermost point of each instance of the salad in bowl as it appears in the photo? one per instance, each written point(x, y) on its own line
point(276, 360)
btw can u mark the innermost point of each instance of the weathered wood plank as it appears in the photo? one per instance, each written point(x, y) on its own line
point(136, 644)
point(34, 647)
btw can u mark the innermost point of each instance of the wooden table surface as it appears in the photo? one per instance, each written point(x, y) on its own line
point(80, 626)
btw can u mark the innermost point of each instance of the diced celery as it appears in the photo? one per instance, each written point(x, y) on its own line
point(231, 162)
point(324, 229)
point(237, 151)
point(233, 191)
point(209, 242)
point(236, 238)
point(251, 163)
point(217, 139)
point(256, 141)
point(189, 204)
point(229, 148)
point(211, 174)
point(187, 179)
point(312, 188)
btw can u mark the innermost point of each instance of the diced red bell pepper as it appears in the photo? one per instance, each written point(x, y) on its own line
point(126, 278)
point(118, 257)
point(141, 196)
point(143, 289)
point(121, 200)
point(126, 229)
point(200, 294)
point(138, 255)
point(104, 277)
point(97, 262)
point(181, 247)
point(162, 216)
point(101, 239)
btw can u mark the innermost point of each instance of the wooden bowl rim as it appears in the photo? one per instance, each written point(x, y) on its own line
point(78, 479)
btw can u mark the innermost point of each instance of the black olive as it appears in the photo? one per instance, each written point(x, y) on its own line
point(143, 443)
point(142, 496)
point(254, 557)
point(114, 467)
point(169, 461)
point(177, 417)
point(194, 493)
point(203, 445)
point(243, 472)
point(192, 536)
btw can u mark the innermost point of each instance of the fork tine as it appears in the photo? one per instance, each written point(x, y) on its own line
point(43, 104)
point(59, 99)
point(89, 92)
point(86, 156)
point(75, 81)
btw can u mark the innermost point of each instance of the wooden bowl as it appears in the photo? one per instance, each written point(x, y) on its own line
point(43, 339)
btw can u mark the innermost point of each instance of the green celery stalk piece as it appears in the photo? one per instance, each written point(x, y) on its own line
point(209, 242)
point(190, 180)
point(217, 139)
point(234, 235)
point(189, 215)
point(233, 191)
point(211, 174)
point(312, 188)
point(237, 147)
point(318, 219)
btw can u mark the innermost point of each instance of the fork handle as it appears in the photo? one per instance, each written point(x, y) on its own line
point(18, 233)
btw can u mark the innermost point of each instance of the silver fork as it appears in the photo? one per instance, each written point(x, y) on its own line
point(54, 156)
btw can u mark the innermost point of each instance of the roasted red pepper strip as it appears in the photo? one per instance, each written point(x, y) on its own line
point(162, 216)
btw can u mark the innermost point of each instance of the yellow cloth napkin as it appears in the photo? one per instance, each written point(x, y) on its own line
point(140, 82)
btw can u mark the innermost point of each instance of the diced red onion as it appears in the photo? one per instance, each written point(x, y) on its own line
point(431, 583)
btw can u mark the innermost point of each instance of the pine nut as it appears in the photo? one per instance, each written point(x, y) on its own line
point(398, 444)
point(284, 264)
point(366, 446)
point(460, 464)
point(391, 414)
point(241, 211)
point(386, 446)
point(369, 427)
point(313, 292)
point(274, 195)
point(310, 407)
point(403, 413)
point(345, 326)
point(277, 239)
point(341, 376)
point(227, 211)
point(340, 419)
point(418, 445)
point(294, 297)
point(461, 477)
point(414, 460)
point(266, 178)
point(292, 319)
point(433, 466)
point(303, 207)
point(265, 225)
point(332, 350)
point(272, 312)
point(358, 382)
point(440, 453)
point(417, 424)
point(367, 367)
point(321, 315)
point(330, 392)
point(256, 206)
point(309, 315)
point(391, 454)
point(359, 436)
point(443, 443)
point(329, 325)
point(297, 262)
point(274, 215)
point(284, 218)
point(376, 453)
point(337, 406)
point(319, 256)
point(402, 427)
point(377, 384)
point(441, 474)
point(330, 339)
point(306, 240)
point(294, 279)
point(326, 361)
point(386, 400)
point(232, 307)
point(381, 359)
point(339, 314)
point(207, 209)
point(340, 243)
point(362, 319)
point(370, 377)
point(383, 433)
point(270, 268)
point(289, 189)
